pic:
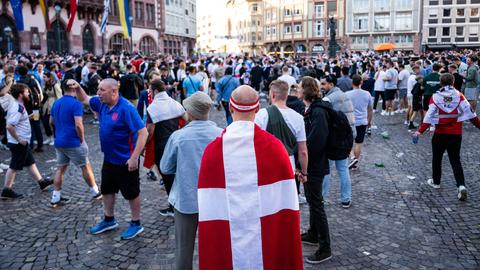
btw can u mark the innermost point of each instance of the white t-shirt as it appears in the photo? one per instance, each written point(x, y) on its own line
point(294, 121)
point(380, 83)
point(361, 101)
point(402, 79)
point(17, 116)
point(289, 80)
point(412, 80)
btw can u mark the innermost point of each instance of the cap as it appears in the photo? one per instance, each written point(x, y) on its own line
point(198, 105)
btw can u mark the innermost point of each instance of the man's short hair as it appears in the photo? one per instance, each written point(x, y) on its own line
point(356, 80)
point(18, 89)
point(129, 66)
point(446, 79)
point(330, 79)
point(191, 69)
point(280, 88)
point(453, 66)
point(345, 71)
point(22, 70)
point(285, 69)
point(157, 85)
point(228, 71)
point(436, 67)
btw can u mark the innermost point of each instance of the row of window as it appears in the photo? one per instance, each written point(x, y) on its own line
point(448, 12)
point(179, 3)
point(453, 2)
point(319, 29)
point(447, 31)
point(142, 9)
point(399, 39)
point(380, 5)
point(319, 11)
point(382, 22)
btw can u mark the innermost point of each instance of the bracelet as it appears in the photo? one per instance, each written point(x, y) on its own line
point(304, 174)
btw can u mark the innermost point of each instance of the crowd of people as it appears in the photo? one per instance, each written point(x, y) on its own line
point(241, 186)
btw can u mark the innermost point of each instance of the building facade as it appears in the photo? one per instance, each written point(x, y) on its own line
point(302, 27)
point(372, 22)
point(148, 19)
point(248, 23)
point(180, 30)
point(451, 23)
point(215, 33)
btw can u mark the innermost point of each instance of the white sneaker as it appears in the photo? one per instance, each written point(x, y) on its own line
point(391, 114)
point(430, 183)
point(47, 141)
point(405, 122)
point(52, 143)
point(4, 166)
point(398, 111)
point(383, 113)
point(432, 129)
point(462, 193)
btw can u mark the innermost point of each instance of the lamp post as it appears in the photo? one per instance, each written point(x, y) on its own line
point(130, 18)
point(58, 9)
point(8, 35)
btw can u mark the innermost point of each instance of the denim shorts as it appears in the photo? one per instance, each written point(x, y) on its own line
point(402, 93)
point(471, 94)
point(78, 155)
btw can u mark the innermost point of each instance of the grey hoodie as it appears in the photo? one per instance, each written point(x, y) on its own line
point(341, 102)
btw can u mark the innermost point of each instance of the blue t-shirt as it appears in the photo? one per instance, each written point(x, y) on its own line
point(191, 84)
point(63, 112)
point(118, 129)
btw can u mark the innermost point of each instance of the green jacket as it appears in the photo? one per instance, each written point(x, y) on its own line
point(471, 78)
point(431, 84)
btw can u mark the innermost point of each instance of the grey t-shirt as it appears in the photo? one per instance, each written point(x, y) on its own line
point(361, 101)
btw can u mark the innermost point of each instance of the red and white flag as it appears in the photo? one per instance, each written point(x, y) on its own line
point(248, 206)
point(73, 12)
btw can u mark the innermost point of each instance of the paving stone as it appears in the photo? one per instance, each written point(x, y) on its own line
point(394, 222)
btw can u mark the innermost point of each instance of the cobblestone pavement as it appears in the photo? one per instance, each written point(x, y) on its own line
point(395, 222)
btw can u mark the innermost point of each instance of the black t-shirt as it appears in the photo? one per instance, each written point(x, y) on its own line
point(458, 81)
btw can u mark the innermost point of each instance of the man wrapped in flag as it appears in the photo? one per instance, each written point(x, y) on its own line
point(248, 206)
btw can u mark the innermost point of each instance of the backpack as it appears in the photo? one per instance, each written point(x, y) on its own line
point(34, 92)
point(340, 137)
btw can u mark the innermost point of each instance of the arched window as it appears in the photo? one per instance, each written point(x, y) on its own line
point(147, 45)
point(57, 38)
point(8, 35)
point(88, 39)
point(118, 43)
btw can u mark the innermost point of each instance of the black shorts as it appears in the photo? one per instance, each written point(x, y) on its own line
point(426, 102)
point(361, 130)
point(21, 156)
point(390, 94)
point(117, 177)
point(417, 103)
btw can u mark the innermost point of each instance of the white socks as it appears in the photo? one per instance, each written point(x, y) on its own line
point(56, 196)
point(94, 190)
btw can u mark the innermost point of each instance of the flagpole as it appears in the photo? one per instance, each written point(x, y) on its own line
point(103, 43)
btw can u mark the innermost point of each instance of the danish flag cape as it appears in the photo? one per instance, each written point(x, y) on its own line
point(248, 206)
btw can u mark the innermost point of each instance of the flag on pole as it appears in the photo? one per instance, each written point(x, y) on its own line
point(44, 8)
point(106, 11)
point(17, 13)
point(124, 9)
point(248, 205)
point(73, 12)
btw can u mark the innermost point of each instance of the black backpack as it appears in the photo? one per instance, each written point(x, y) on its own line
point(340, 137)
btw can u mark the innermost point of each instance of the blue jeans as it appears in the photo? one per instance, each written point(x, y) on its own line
point(345, 183)
point(228, 116)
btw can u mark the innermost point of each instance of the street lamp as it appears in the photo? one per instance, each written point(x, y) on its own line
point(130, 18)
point(8, 34)
point(58, 9)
